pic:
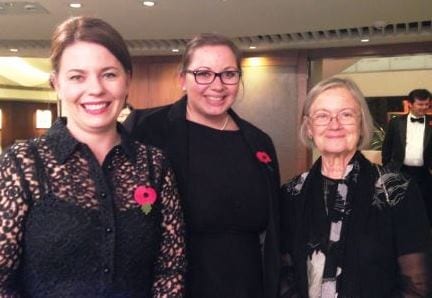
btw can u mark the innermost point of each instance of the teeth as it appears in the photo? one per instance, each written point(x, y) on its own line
point(95, 106)
point(215, 97)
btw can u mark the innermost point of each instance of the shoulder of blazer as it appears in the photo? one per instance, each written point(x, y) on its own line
point(148, 125)
point(399, 118)
point(152, 113)
point(429, 120)
point(158, 116)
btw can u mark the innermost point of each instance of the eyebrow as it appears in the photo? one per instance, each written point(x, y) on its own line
point(325, 110)
point(83, 70)
point(228, 68)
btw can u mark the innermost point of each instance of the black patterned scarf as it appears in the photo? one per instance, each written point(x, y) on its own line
point(324, 205)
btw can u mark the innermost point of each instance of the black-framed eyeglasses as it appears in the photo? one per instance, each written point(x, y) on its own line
point(206, 77)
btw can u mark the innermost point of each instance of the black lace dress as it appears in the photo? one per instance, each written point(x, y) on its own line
point(72, 228)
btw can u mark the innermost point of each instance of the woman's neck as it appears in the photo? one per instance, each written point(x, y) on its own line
point(334, 165)
point(100, 143)
point(220, 122)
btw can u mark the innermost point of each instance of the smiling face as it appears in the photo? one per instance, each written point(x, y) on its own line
point(92, 85)
point(419, 107)
point(335, 138)
point(208, 104)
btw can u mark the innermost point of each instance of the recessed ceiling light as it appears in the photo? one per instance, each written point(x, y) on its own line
point(30, 6)
point(175, 50)
point(149, 3)
point(380, 24)
point(75, 5)
point(13, 50)
point(252, 47)
point(364, 40)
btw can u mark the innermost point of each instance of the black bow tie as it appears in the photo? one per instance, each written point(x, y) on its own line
point(419, 120)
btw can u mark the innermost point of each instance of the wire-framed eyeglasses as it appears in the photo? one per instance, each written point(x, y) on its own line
point(344, 117)
point(206, 77)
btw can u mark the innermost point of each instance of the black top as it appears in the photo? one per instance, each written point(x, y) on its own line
point(226, 210)
point(167, 128)
point(73, 228)
point(384, 236)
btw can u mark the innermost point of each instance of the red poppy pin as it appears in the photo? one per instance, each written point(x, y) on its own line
point(145, 196)
point(263, 157)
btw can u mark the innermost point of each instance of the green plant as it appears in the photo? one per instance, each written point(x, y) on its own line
point(377, 137)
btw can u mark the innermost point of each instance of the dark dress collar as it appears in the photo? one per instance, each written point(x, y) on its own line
point(63, 144)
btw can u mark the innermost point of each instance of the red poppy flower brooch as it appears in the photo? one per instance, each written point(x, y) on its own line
point(264, 158)
point(145, 196)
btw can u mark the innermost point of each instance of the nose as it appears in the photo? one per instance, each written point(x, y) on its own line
point(217, 83)
point(334, 122)
point(95, 85)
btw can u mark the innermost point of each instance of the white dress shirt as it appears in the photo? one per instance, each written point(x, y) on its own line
point(414, 142)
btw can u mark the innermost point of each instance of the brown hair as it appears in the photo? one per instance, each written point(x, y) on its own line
point(208, 39)
point(92, 30)
point(366, 125)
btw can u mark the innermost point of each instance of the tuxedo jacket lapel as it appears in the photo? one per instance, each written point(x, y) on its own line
point(427, 132)
point(403, 131)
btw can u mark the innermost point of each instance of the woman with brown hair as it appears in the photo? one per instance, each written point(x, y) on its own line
point(228, 175)
point(85, 211)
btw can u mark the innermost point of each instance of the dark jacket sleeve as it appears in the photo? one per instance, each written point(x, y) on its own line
point(388, 142)
point(148, 126)
point(288, 288)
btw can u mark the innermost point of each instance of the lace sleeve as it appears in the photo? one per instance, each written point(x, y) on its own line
point(13, 208)
point(415, 279)
point(171, 263)
point(412, 239)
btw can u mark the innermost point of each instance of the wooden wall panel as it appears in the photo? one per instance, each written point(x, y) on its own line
point(154, 81)
point(19, 120)
point(168, 90)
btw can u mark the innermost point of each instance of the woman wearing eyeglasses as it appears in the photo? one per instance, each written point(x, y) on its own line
point(352, 228)
point(227, 173)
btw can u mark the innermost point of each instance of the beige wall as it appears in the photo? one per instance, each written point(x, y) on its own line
point(394, 83)
point(270, 101)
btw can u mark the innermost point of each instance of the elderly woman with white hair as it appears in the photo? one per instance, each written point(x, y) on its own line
point(351, 228)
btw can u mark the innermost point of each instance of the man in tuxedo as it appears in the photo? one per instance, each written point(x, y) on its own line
point(408, 144)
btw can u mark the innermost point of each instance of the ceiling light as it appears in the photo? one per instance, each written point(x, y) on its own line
point(149, 3)
point(75, 5)
point(252, 47)
point(175, 50)
point(380, 24)
point(30, 6)
point(13, 50)
point(364, 40)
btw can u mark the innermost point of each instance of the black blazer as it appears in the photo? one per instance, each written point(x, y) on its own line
point(393, 149)
point(166, 128)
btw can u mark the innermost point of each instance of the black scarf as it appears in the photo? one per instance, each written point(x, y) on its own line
point(315, 225)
